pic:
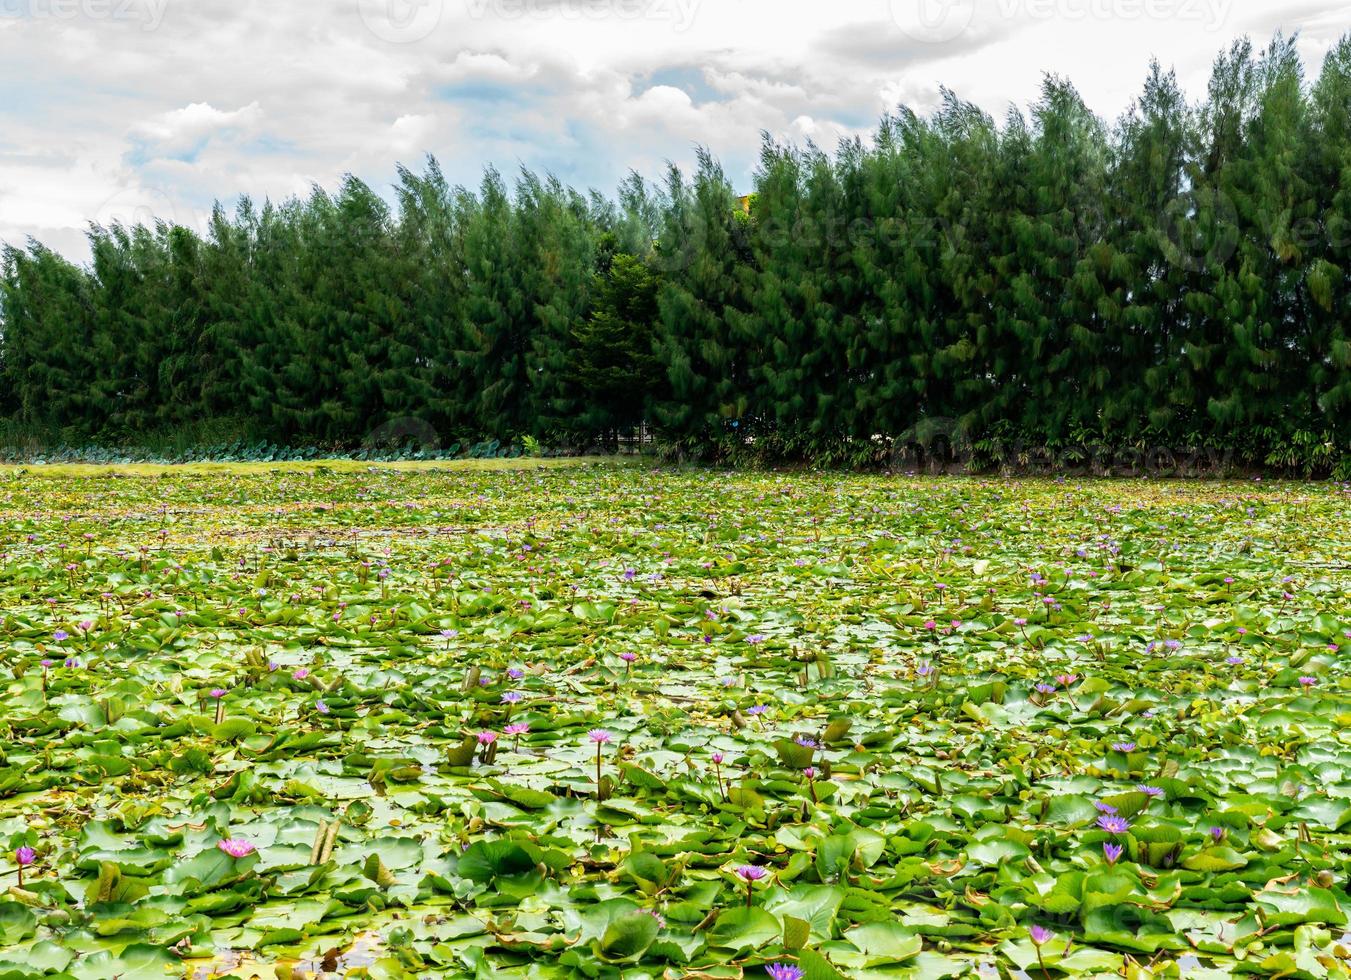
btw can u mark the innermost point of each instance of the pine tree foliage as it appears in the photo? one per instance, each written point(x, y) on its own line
point(1179, 277)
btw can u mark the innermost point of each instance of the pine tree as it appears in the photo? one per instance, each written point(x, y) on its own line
point(1256, 318)
point(555, 263)
point(615, 376)
point(894, 263)
point(1179, 280)
point(49, 360)
point(1325, 354)
point(700, 253)
point(492, 351)
point(431, 240)
point(1147, 211)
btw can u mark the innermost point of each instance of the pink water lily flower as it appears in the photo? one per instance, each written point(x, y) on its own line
point(236, 847)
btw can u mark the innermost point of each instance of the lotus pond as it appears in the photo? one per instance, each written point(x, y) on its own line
point(603, 721)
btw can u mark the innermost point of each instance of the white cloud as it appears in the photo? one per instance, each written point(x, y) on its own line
point(131, 106)
point(188, 130)
point(487, 66)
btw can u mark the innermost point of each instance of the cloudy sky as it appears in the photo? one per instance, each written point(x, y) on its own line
point(118, 109)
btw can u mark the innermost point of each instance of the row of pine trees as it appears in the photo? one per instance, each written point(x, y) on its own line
point(1178, 278)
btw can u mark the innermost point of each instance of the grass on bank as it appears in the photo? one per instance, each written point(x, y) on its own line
point(59, 470)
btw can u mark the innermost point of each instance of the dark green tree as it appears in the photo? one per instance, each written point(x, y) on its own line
point(614, 373)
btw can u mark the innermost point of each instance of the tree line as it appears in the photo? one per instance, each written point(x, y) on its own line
point(1177, 278)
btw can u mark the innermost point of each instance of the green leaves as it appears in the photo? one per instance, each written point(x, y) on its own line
point(487, 860)
point(794, 755)
point(993, 853)
point(441, 815)
point(816, 905)
point(740, 929)
point(1280, 908)
point(883, 943)
point(647, 871)
point(17, 922)
point(627, 938)
point(209, 869)
point(111, 887)
point(1216, 859)
point(817, 967)
point(135, 962)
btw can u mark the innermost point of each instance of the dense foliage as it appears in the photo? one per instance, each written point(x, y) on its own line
point(1178, 279)
point(603, 722)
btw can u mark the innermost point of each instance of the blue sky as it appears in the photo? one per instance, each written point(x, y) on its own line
point(124, 109)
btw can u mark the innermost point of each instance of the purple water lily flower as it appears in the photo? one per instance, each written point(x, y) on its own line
point(1114, 825)
point(1112, 852)
point(784, 971)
